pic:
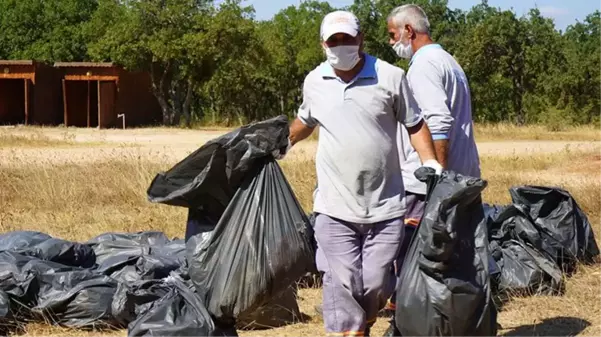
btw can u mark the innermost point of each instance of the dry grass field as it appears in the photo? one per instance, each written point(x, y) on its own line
point(77, 183)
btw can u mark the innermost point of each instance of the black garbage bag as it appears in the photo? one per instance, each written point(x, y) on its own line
point(17, 240)
point(206, 180)
point(47, 248)
point(139, 256)
point(312, 279)
point(63, 252)
point(134, 299)
point(109, 245)
point(19, 285)
point(76, 299)
point(444, 287)
point(511, 223)
point(6, 321)
point(180, 312)
point(566, 235)
point(133, 268)
point(64, 294)
point(525, 271)
point(515, 242)
point(491, 215)
point(4, 309)
point(150, 238)
point(18, 279)
point(279, 311)
point(261, 245)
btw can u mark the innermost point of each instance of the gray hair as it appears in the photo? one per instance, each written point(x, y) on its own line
point(411, 15)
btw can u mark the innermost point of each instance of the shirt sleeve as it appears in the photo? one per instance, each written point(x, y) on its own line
point(407, 110)
point(427, 85)
point(304, 111)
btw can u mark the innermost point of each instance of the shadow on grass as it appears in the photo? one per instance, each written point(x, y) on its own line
point(556, 326)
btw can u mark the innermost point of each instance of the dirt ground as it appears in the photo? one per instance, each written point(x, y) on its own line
point(174, 144)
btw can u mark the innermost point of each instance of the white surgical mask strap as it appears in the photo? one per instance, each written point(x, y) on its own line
point(401, 49)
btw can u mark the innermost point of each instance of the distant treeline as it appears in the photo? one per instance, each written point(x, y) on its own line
point(217, 64)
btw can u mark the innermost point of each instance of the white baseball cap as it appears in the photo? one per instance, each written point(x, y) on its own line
point(339, 22)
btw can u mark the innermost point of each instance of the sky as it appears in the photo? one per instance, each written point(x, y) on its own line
point(564, 12)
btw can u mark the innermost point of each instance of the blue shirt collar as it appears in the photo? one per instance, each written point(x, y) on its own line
point(426, 47)
point(368, 70)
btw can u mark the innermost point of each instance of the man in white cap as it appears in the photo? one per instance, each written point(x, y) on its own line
point(358, 101)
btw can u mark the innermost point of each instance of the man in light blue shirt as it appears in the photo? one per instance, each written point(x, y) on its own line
point(441, 90)
point(442, 93)
point(359, 102)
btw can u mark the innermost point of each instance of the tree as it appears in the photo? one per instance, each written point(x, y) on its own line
point(238, 89)
point(577, 88)
point(543, 58)
point(216, 63)
point(181, 43)
point(493, 54)
point(292, 37)
point(44, 30)
point(153, 36)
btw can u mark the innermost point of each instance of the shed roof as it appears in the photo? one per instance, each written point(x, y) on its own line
point(85, 64)
point(16, 62)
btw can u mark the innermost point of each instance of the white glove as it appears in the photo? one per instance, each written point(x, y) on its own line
point(278, 154)
point(432, 163)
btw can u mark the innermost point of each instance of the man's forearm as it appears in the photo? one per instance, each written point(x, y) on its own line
point(299, 131)
point(421, 139)
point(441, 147)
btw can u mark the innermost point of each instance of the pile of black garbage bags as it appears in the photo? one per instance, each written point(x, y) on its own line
point(248, 242)
point(253, 242)
point(466, 256)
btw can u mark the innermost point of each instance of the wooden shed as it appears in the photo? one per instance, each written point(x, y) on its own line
point(30, 93)
point(95, 94)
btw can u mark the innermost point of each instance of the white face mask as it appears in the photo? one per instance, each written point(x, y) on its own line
point(403, 50)
point(343, 57)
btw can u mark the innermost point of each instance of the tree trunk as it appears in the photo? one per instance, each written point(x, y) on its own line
point(176, 116)
point(165, 110)
point(186, 107)
point(159, 92)
point(518, 90)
